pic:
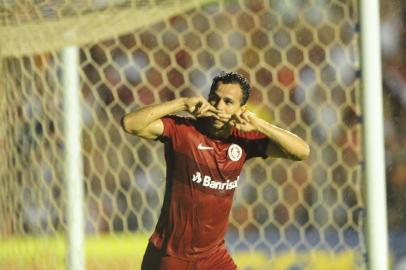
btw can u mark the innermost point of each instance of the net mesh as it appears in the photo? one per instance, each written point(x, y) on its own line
point(302, 61)
point(29, 27)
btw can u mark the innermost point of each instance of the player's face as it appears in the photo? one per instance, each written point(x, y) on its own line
point(226, 98)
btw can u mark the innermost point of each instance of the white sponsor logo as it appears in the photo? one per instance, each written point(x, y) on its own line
point(202, 147)
point(234, 152)
point(206, 181)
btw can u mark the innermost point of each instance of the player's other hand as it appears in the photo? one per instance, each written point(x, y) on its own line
point(244, 121)
point(200, 107)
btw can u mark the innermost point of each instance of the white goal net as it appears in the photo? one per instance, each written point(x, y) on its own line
point(301, 57)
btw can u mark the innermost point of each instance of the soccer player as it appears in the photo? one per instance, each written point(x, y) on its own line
point(204, 156)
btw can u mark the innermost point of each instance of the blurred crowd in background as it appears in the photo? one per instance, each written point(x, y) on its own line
point(393, 30)
point(393, 36)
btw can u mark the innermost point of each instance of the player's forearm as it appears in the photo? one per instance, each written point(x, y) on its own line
point(136, 121)
point(289, 143)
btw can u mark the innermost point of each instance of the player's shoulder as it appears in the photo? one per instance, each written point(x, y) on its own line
point(252, 135)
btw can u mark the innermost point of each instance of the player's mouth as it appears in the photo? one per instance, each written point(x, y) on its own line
point(219, 124)
point(216, 123)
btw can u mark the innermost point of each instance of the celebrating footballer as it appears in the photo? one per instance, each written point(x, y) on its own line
point(204, 156)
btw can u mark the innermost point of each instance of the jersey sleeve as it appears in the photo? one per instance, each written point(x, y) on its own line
point(256, 143)
point(169, 123)
point(172, 126)
point(257, 147)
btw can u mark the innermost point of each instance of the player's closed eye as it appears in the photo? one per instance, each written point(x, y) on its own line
point(228, 102)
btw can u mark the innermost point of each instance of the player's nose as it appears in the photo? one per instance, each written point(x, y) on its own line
point(220, 105)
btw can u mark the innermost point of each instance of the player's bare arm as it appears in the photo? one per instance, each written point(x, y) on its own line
point(283, 143)
point(146, 123)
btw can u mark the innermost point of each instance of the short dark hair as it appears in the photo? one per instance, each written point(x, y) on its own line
point(229, 78)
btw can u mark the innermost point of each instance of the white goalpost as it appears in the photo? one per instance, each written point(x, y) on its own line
point(73, 172)
point(376, 215)
point(73, 160)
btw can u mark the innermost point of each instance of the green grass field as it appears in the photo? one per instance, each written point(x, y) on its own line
point(124, 252)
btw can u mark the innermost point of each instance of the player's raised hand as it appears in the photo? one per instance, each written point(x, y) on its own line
point(244, 121)
point(200, 107)
point(224, 117)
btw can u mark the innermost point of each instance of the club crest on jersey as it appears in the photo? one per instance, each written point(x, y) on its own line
point(234, 152)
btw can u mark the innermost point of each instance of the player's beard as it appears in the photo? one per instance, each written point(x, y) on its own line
point(215, 128)
point(217, 125)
